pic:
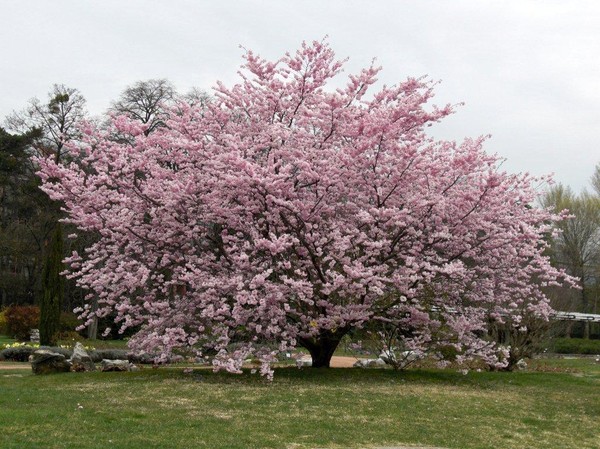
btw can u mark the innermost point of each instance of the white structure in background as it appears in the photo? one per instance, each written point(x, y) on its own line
point(576, 316)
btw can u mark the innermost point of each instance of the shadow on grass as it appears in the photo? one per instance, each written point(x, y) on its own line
point(373, 377)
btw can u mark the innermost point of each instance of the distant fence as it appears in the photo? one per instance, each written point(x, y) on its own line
point(576, 316)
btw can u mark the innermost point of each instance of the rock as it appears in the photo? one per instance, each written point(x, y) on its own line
point(388, 356)
point(360, 363)
point(378, 362)
point(34, 335)
point(409, 356)
point(521, 365)
point(121, 354)
point(98, 355)
point(304, 361)
point(369, 363)
point(143, 358)
point(64, 351)
point(44, 361)
point(81, 360)
point(117, 365)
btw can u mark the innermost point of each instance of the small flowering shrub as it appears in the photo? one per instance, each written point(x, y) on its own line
point(20, 320)
point(523, 338)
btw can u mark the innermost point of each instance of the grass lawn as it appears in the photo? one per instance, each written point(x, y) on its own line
point(555, 405)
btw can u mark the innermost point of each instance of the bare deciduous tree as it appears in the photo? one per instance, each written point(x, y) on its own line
point(56, 120)
point(596, 179)
point(577, 247)
point(148, 102)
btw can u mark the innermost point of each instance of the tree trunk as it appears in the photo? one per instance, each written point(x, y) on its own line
point(322, 347)
point(584, 307)
point(92, 330)
point(586, 330)
point(53, 283)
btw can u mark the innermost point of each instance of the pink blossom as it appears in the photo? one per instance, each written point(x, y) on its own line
point(286, 213)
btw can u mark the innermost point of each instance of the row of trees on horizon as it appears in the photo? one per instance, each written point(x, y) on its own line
point(33, 241)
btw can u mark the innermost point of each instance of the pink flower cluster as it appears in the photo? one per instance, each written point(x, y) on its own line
point(288, 213)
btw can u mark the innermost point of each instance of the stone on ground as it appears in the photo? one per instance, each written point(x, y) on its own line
point(117, 365)
point(81, 360)
point(369, 363)
point(44, 361)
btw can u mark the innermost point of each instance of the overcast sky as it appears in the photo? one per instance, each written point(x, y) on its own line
point(528, 71)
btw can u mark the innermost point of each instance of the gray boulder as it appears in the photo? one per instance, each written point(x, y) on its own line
point(64, 351)
point(110, 354)
point(304, 361)
point(521, 365)
point(81, 360)
point(120, 354)
point(44, 361)
point(369, 363)
point(117, 365)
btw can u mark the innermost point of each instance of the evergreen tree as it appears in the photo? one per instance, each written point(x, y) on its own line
point(53, 285)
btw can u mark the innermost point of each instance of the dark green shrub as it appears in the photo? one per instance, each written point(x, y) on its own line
point(17, 354)
point(21, 352)
point(69, 337)
point(20, 320)
point(574, 346)
point(68, 322)
point(121, 354)
point(448, 352)
point(109, 354)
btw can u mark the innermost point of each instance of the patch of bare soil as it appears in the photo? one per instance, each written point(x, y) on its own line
point(343, 362)
point(14, 365)
point(336, 362)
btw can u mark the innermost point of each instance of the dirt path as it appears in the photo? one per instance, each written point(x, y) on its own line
point(14, 365)
point(336, 362)
point(343, 362)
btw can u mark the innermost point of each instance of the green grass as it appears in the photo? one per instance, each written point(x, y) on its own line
point(555, 407)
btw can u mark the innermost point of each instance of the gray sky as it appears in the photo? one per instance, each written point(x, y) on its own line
point(528, 71)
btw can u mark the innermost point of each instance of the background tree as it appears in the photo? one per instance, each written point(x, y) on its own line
point(596, 179)
point(57, 120)
point(20, 226)
point(577, 246)
point(54, 124)
point(287, 214)
point(196, 97)
point(148, 102)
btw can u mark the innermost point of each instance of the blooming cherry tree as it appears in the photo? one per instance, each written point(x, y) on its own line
point(286, 213)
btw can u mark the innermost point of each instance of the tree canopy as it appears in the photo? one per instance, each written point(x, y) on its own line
point(287, 213)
